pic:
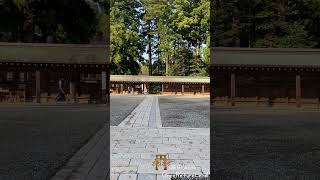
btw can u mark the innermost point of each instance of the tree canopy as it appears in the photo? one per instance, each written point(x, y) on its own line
point(170, 37)
point(266, 23)
point(59, 21)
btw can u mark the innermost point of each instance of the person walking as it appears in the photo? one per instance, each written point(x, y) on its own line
point(61, 95)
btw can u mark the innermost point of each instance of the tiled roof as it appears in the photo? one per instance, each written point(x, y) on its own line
point(265, 56)
point(160, 79)
point(53, 53)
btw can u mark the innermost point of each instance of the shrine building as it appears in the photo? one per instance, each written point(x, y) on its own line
point(34, 72)
point(265, 77)
point(169, 85)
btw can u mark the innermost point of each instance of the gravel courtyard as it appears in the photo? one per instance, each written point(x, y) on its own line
point(175, 111)
point(121, 107)
point(265, 145)
point(37, 140)
point(184, 111)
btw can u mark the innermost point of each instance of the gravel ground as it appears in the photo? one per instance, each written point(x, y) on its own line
point(122, 106)
point(38, 140)
point(265, 145)
point(191, 112)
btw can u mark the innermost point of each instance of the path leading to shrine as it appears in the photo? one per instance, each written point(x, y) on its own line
point(147, 114)
point(134, 144)
point(137, 140)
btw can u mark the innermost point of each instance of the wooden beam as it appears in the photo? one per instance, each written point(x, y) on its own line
point(162, 88)
point(298, 90)
point(103, 87)
point(78, 86)
point(132, 89)
point(142, 88)
point(121, 88)
point(233, 88)
point(202, 89)
point(73, 91)
point(182, 89)
point(38, 89)
point(117, 88)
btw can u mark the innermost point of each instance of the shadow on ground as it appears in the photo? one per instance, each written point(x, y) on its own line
point(36, 141)
point(265, 145)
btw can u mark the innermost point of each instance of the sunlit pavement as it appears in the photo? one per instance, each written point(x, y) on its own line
point(134, 144)
point(140, 137)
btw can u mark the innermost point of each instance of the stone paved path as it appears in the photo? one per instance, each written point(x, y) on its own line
point(90, 162)
point(133, 151)
point(147, 114)
point(134, 144)
point(136, 141)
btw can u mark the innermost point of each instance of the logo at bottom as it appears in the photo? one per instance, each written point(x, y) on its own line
point(161, 160)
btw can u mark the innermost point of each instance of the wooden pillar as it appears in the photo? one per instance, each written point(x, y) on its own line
point(141, 88)
point(121, 88)
point(132, 91)
point(298, 90)
point(78, 86)
point(202, 89)
point(182, 89)
point(162, 88)
point(48, 86)
point(38, 89)
point(145, 89)
point(103, 87)
point(117, 88)
point(233, 88)
point(72, 88)
point(211, 89)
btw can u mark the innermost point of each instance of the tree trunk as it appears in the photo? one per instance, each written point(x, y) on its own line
point(159, 63)
point(150, 52)
point(167, 65)
point(196, 52)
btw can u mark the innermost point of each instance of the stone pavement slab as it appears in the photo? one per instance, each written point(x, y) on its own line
point(140, 137)
point(146, 114)
point(91, 162)
point(188, 154)
point(134, 145)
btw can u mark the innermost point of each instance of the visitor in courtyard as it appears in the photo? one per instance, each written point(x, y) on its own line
point(61, 94)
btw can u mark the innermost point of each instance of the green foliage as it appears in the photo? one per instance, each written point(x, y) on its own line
point(266, 23)
point(59, 21)
point(144, 69)
point(182, 62)
point(154, 88)
point(171, 32)
point(126, 42)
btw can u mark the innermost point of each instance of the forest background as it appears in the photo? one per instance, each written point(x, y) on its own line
point(155, 37)
point(163, 37)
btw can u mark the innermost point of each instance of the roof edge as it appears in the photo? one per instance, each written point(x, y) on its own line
point(53, 45)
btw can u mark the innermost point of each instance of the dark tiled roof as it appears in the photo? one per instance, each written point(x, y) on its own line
point(53, 53)
point(265, 56)
point(160, 79)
